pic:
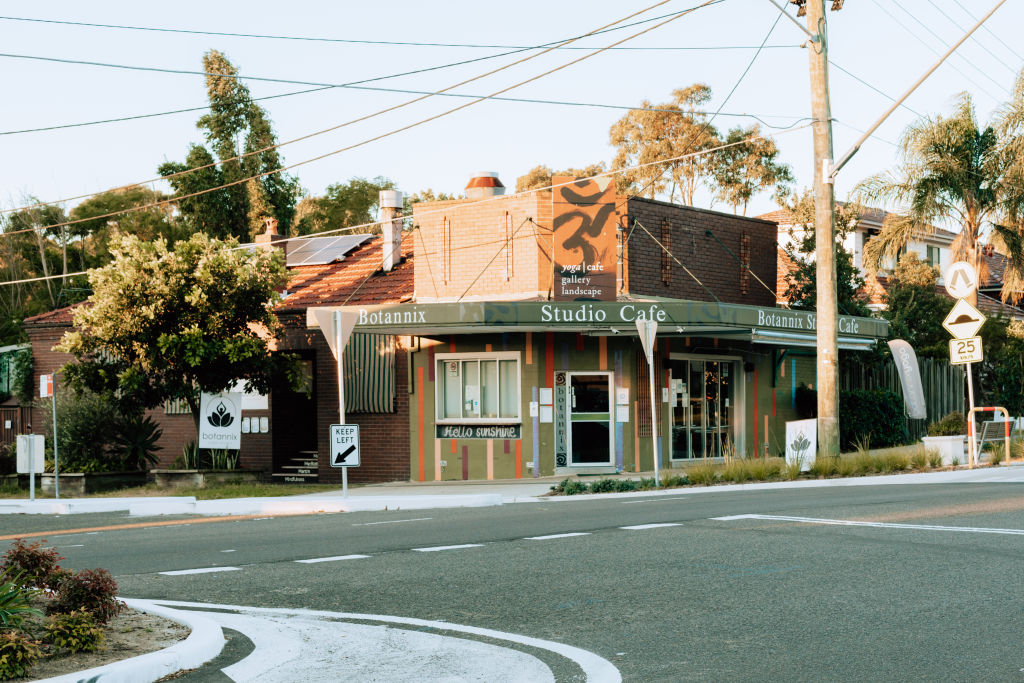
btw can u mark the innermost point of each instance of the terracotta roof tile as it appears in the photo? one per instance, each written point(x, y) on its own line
point(60, 317)
point(355, 280)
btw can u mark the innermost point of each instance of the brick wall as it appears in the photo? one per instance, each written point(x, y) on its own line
point(488, 248)
point(719, 271)
point(383, 437)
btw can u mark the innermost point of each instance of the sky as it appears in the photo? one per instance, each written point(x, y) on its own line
point(885, 44)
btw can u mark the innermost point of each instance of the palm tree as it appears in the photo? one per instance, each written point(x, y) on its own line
point(953, 170)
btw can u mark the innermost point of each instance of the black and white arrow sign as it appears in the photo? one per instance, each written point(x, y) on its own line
point(344, 445)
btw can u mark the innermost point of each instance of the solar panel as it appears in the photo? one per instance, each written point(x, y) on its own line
point(316, 251)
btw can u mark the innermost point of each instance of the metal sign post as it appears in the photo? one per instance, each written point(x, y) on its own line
point(648, 329)
point(339, 345)
point(48, 387)
point(963, 323)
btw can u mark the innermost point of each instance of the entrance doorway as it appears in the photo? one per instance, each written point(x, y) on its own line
point(704, 406)
point(293, 436)
point(589, 419)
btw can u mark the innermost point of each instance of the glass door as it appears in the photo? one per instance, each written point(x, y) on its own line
point(589, 418)
point(702, 396)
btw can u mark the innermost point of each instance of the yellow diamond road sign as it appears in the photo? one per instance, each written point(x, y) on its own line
point(964, 320)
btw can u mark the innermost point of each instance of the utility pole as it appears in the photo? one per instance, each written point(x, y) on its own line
point(824, 206)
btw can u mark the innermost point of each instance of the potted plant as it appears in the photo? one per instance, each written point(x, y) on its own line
point(948, 436)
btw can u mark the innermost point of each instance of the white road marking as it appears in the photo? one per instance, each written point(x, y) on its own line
point(227, 551)
point(639, 527)
point(435, 548)
point(877, 525)
point(202, 570)
point(394, 521)
point(332, 559)
point(673, 499)
point(551, 536)
point(391, 654)
point(76, 545)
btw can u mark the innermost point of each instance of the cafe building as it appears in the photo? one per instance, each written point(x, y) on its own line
point(519, 343)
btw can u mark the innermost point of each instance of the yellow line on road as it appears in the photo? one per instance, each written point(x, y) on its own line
point(144, 525)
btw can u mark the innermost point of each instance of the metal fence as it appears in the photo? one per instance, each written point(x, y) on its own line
point(943, 387)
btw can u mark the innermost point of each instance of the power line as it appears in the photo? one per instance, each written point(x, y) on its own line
point(371, 139)
point(527, 100)
point(227, 34)
point(989, 31)
point(974, 38)
point(934, 51)
point(671, 17)
point(880, 92)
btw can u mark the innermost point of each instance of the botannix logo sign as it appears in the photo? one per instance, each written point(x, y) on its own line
point(220, 421)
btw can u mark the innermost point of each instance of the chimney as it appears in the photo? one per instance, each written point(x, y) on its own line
point(484, 184)
point(391, 222)
point(271, 237)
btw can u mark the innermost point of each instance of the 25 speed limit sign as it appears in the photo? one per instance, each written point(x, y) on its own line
point(963, 351)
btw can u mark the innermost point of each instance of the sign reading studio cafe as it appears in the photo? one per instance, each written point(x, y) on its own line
point(220, 421)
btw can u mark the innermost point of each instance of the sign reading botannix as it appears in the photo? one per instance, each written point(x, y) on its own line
point(220, 420)
point(344, 445)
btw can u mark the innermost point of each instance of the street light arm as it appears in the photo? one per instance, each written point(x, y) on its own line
point(856, 146)
point(813, 37)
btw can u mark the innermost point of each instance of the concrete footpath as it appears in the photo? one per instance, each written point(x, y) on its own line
point(433, 495)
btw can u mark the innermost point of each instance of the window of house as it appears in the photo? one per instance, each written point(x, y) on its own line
point(934, 256)
point(478, 387)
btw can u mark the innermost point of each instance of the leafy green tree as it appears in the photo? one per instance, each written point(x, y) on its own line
point(1001, 374)
point(673, 129)
point(915, 310)
point(91, 237)
point(32, 251)
point(955, 171)
point(540, 176)
point(343, 205)
point(802, 282)
point(746, 168)
point(167, 323)
point(239, 210)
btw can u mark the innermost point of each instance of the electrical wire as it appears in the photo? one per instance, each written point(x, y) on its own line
point(880, 92)
point(488, 264)
point(455, 207)
point(974, 38)
point(370, 42)
point(376, 137)
point(989, 31)
point(670, 18)
point(934, 51)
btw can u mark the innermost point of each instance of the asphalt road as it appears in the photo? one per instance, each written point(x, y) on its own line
point(706, 598)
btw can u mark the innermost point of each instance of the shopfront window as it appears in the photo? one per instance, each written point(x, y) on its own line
point(478, 387)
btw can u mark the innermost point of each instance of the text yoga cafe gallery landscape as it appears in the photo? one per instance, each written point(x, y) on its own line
point(521, 389)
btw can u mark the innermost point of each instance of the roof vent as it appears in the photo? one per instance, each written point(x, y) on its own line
point(484, 184)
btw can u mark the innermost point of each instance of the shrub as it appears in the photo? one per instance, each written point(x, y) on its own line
point(919, 458)
point(35, 562)
point(953, 424)
point(569, 487)
point(86, 428)
point(92, 590)
point(8, 458)
point(15, 599)
point(876, 412)
point(704, 473)
point(18, 653)
point(824, 466)
point(934, 458)
point(623, 485)
point(75, 631)
point(135, 445)
point(647, 484)
point(23, 377)
point(675, 481)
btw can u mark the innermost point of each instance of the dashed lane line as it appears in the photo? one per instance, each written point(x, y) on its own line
point(640, 527)
point(148, 525)
point(336, 558)
point(201, 570)
point(876, 525)
point(436, 548)
point(394, 521)
point(553, 536)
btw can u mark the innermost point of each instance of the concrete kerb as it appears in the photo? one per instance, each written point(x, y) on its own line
point(203, 644)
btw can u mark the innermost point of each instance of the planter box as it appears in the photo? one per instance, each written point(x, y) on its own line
point(949, 447)
point(74, 484)
point(200, 478)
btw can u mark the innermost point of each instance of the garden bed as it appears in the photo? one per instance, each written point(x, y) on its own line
point(202, 478)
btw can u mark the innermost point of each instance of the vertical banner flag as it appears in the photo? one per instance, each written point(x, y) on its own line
point(585, 232)
point(910, 377)
point(220, 420)
point(801, 443)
